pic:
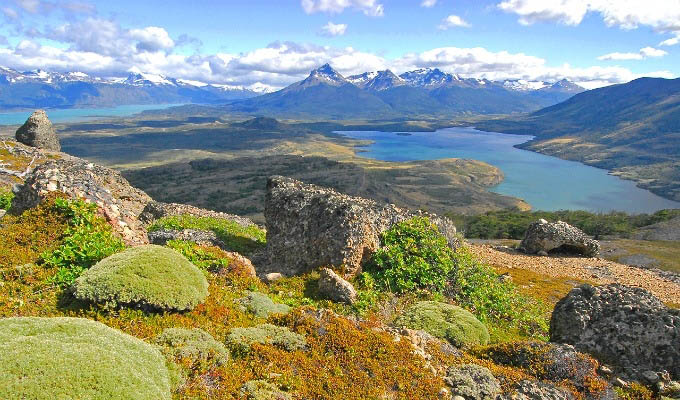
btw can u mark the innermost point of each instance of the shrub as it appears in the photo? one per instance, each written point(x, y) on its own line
point(261, 305)
point(193, 346)
point(74, 358)
point(88, 239)
point(262, 390)
point(242, 338)
point(445, 321)
point(6, 197)
point(149, 277)
point(413, 255)
point(244, 240)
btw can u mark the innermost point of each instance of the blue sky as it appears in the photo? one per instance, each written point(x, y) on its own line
point(276, 42)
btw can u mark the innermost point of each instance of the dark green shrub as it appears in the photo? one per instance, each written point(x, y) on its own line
point(445, 321)
point(6, 197)
point(74, 358)
point(150, 277)
point(413, 255)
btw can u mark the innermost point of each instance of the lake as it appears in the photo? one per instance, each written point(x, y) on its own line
point(547, 183)
point(59, 115)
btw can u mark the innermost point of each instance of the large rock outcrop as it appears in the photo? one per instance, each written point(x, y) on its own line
point(38, 132)
point(120, 203)
point(543, 236)
point(624, 326)
point(310, 226)
point(155, 210)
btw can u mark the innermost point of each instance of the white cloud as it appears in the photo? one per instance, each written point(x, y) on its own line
point(10, 13)
point(672, 41)
point(331, 29)
point(369, 7)
point(644, 53)
point(152, 38)
point(428, 3)
point(453, 21)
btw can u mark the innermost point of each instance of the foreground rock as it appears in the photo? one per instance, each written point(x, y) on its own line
point(309, 226)
point(624, 326)
point(155, 210)
point(333, 287)
point(472, 382)
point(38, 132)
point(120, 203)
point(543, 236)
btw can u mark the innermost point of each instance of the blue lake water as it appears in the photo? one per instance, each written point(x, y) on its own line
point(58, 115)
point(547, 183)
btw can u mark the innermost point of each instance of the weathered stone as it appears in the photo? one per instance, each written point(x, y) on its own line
point(473, 382)
point(626, 327)
point(119, 202)
point(534, 390)
point(155, 210)
point(543, 236)
point(309, 226)
point(201, 237)
point(38, 132)
point(333, 287)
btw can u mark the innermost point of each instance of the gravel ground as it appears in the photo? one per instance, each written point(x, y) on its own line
point(597, 270)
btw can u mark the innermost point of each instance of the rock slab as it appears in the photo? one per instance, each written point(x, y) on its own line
point(544, 236)
point(38, 132)
point(333, 287)
point(310, 226)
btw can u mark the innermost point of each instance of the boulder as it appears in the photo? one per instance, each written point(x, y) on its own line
point(310, 226)
point(120, 203)
point(198, 236)
point(38, 132)
point(472, 382)
point(623, 326)
point(334, 288)
point(535, 390)
point(544, 236)
point(155, 210)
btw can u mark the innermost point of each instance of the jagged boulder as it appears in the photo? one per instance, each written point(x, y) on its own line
point(198, 236)
point(120, 203)
point(543, 236)
point(623, 326)
point(310, 226)
point(333, 287)
point(472, 382)
point(535, 390)
point(38, 132)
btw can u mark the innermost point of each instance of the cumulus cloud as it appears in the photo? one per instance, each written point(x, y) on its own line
point(647, 52)
point(369, 7)
point(331, 29)
point(672, 41)
point(151, 38)
point(46, 7)
point(428, 3)
point(453, 21)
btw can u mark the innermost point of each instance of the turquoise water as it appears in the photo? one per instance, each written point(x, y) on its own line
point(547, 183)
point(57, 115)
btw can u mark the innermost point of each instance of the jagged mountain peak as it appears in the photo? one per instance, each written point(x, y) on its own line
point(377, 80)
point(429, 77)
point(325, 74)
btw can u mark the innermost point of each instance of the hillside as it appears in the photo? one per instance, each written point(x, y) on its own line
point(632, 129)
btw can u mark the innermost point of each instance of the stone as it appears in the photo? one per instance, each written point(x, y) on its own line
point(310, 226)
point(118, 201)
point(38, 132)
point(272, 277)
point(534, 390)
point(200, 237)
point(334, 288)
point(544, 236)
point(625, 327)
point(155, 210)
point(473, 382)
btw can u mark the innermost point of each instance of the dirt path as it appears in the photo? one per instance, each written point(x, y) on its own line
point(595, 270)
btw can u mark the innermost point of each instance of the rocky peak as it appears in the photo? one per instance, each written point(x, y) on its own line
point(326, 75)
point(38, 132)
point(429, 77)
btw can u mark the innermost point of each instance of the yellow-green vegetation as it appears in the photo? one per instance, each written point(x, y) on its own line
point(149, 277)
point(549, 289)
point(6, 197)
point(52, 358)
point(244, 240)
point(192, 348)
point(261, 305)
point(445, 321)
point(666, 252)
point(242, 339)
point(635, 391)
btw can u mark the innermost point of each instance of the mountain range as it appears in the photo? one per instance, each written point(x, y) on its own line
point(325, 93)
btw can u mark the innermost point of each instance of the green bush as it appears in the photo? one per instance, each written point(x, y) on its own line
point(262, 390)
point(445, 321)
point(413, 255)
point(6, 197)
point(87, 240)
point(261, 305)
point(244, 240)
point(194, 345)
point(240, 339)
point(150, 277)
point(74, 358)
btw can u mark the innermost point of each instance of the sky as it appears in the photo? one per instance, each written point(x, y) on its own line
point(277, 42)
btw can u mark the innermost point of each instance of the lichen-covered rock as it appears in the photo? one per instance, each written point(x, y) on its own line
point(240, 339)
point(263, 390)
point(150, 277)
point(155, 210)
point(544, 236)
point(38, 132)
point(445, 321)
point(260, 305)
point(534, 390)
point(198, 236)
point(310, 226)
point(333, 287)
point(623, 326)
point(195, 345)
point(472, 382)
point(120, 203)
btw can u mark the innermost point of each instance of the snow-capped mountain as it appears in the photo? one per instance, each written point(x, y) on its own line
point(326, 75)
point(379, 80)
point(429, 78)
point(522, 85)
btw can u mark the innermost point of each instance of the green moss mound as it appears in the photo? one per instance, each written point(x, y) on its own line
point(74, 358)
point(195, 345)
point(240, 339)
point(445, 321)
point(263, 390)
point(150, 277)
point(260, 305)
